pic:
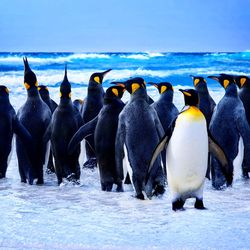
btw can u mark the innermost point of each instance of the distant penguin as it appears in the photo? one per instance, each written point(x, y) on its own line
point(104, 128)
point(66, 120)
point(35, 115)
point(78, 103)
point(228, 123)
point(165, 108)
point(187, 149)
point(206, 103)
point(91, 107)
point(44, 93)
point(139, 131)
point(9, 124)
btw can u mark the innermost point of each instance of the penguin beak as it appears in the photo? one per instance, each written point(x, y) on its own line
point(105, 72)
point(184, 92)
point(216, 78)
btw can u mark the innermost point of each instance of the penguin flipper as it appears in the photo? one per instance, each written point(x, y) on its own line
point(218, 152)
point(84, 131)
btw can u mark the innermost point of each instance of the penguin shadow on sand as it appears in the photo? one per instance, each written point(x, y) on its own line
point(187, 143)
point(104, 129)
point(228, 124)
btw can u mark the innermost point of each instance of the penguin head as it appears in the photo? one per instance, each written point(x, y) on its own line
point(199, 81)
point(4, 91)
point(242, 81)
point(30, 80)
point(65, 88)
point(44, 91)
point(224, 80)
point(97, 78)
point(133, 84)
point(190, 97)
point(163, 86)
point(115, 91)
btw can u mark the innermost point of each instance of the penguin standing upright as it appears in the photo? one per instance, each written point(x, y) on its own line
point(44, 93)
point(9, 124)
point(91, 107)
point(206, 103)
point(187, 149)
point(228, 123)
point(66, 120)
point(139, 131)
point(243, 83)
point(104, 128)
point(165, 108)
point(35, 115)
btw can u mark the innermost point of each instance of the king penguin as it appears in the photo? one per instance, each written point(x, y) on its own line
point(104, 128)
point(227, 125)
point(35, 116)
point(186, 145)
point(165, 108)
point(139, 131)
point(8, 126)
point(66, 120)
point(206, 102)
point(44, 93)
point(91, 107)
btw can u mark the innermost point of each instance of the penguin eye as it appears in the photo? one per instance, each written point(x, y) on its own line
point(196, 81)
point(7, 90)
point(163, 89)
point(115, 91)
point(242, 81)
point(27, 86)
point(97, 79)
point(225, 83)
point(134, 87)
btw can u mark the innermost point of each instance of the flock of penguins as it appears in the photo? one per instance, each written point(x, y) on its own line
point(142, 142)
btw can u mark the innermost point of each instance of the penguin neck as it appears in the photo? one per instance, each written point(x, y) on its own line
point(65, 102)
point(202, 89)
point(139, 93)
point(33, 92)
point(231, 90)
point(4, 100)
point(166, 97)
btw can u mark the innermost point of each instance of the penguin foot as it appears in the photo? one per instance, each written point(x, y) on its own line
point(90, 163)
point(23, 180)
point(159, 190)
point(178, 205)
point(140, 196)
point(2, 176)
point(199, 204)
point(40, 181)
point(119, 188)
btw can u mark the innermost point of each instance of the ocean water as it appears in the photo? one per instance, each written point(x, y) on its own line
point(84, 217)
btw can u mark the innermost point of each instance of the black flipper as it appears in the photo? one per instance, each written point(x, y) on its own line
point(84, 131)
point(219, 154)
point(162, 144)
point(119, 152)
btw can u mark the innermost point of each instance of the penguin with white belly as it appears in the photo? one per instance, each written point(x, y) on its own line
point(187, 144)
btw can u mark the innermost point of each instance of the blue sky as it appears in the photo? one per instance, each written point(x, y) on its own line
point(124, 25)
